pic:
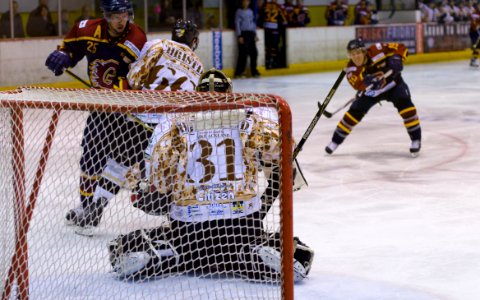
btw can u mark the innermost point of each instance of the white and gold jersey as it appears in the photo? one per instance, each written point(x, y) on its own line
point(210, 163)
point(164, 65)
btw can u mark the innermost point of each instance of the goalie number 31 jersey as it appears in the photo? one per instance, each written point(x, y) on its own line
point(209, 163)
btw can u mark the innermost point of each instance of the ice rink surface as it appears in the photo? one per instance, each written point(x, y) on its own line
point(385, 225)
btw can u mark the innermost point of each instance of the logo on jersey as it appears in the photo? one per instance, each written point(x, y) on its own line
point(103, 72)
point(82, 24)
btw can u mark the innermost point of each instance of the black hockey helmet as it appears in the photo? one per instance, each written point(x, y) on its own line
point(116, 6)
point(214, 80)
point(185, 32)
point(355, 44)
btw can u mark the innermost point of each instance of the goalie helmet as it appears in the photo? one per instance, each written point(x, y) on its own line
point(355, 44)
point(214, 80)
point(116, 6)
point(185, 32)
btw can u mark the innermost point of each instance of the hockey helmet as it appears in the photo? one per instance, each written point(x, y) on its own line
point(355, 44)
point(116, 6)
point(185, 32)
point(214, 80)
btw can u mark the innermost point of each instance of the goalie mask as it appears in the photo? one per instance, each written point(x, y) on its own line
point(110, 7)
point(185, 32)
point(214, 80)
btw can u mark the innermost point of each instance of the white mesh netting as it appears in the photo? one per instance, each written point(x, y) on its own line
point(197, 165)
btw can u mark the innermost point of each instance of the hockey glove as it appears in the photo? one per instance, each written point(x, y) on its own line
point(372, 81)
point(375, 93)
point(58, 61)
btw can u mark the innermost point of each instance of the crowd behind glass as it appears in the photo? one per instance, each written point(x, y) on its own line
point(159, 15)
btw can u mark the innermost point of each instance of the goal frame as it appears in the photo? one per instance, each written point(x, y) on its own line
point(18, 272)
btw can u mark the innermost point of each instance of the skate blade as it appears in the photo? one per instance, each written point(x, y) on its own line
point(84, 231)
point(414, 154)
point(69, 222)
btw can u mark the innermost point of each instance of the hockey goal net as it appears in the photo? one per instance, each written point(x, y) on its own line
point(41, 146)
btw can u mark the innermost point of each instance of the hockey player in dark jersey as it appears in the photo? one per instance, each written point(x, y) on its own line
point(475, 35)
point(110, 141)
point(215, 225)
point(375, 73)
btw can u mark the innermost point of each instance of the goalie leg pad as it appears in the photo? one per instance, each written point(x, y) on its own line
point(263, 262)
point(271, 257)
point(138, 256)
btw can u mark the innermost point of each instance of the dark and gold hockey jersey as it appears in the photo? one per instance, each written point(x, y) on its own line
point(108, 58)
point(377, 55)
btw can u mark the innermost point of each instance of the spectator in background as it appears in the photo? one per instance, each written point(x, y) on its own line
point(65, 22)
point(469, 7)
point(463, 12)
point(427, 11)
point(195, 14)
point(301, 14)
point(167, 15)
point(273, 21)
point(246, 32)
point(289, 13)
point(40, 22)
point(454, 10)
point(17, 23)
point(297, 15)
point(336, 13)
point(363, 14)
point(442, 14)
point(85, 14)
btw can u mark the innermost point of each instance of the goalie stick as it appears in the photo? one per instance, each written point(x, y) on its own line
point(273, 189)
point(328, 114)
point(150, 129)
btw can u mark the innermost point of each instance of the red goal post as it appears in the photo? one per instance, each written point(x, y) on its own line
point(41, 133)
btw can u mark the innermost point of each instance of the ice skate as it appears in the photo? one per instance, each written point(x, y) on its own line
point(74, 215)
point(415, 148)
point(331, 147)
point(474, 63)
point(90, 218)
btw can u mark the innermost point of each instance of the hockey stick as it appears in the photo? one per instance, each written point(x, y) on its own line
point(273, 189)
point(75, 76)
point(137, 120)
point(321, 109)
point(330, 114)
